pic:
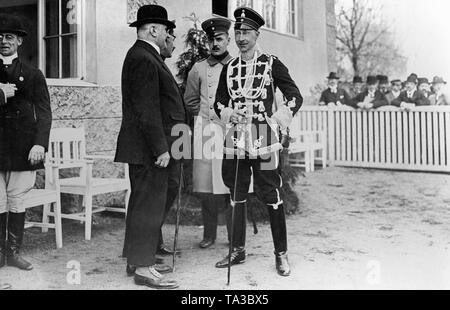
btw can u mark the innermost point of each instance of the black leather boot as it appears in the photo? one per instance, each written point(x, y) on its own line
point(282, 264)
point(238, 254)
point(16, 225)
point(279, 235)
point(237, 257)
point(3, 223)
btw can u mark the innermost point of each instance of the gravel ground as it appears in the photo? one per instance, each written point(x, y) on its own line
point(359, 229)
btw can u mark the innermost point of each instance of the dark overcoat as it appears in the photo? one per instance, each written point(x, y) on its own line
point(26, 118)
point(152, 105)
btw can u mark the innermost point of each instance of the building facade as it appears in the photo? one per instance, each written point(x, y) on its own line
point(80, 46)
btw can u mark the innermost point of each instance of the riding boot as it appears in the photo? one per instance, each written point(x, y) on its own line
point(238, 254)
point(279, 235)
point(16, 226)
point(3, 226)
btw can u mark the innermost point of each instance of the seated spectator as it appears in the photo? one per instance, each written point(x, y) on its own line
point(358, 87)
point(396, 89)
point(383, 83)
point(333, 95)
point(439, 97)
point(411, 97)
point(424, 86)
point(372, 97)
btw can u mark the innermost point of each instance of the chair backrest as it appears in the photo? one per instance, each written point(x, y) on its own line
point(67, 147)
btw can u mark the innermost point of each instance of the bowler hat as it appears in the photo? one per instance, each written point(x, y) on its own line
point(396, 81)
point(438, 80)
point(383, 79)
point(11, 24)
point(152, 13)
point(249, 17)
point(357, 79)
point(372, 80)
point(423, 81)
point(333, 76)
point(412, 79)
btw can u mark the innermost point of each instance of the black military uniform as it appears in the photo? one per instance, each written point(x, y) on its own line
point(248, 86)
point(25, 122)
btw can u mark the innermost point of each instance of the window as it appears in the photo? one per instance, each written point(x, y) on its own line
point(54, 43)
point(280, 15)
point(220, 7)
point(269, 11)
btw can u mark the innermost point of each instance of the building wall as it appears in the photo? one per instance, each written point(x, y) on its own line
point(308, 58)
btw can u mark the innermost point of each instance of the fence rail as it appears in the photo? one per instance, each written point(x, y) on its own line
point(386, 138)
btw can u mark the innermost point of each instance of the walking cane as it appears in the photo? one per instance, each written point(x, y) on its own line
point(177, 225)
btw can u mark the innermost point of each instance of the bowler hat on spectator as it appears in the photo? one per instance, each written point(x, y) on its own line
point(423, 81)
point(333, 76)
point(372, 80)
point(153, 13)
point(12, 24)
point(357, 79)
point(412, 79)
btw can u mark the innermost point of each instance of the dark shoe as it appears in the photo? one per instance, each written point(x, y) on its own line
point(155, 282)
point(3, 218)
point(164, 251)
point(206, 243)
point(282, 264)
point(16, 225)
point(161, 268)
point(237, 257)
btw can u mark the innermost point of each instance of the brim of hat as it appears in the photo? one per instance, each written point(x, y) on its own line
point(333, 78)
point(21, 33)
point(166, 22)
point(439, 82)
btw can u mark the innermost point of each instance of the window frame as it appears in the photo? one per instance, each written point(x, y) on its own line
point(81, 44)
point(259, 7)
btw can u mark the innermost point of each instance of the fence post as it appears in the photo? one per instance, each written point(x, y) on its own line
point(331, 137)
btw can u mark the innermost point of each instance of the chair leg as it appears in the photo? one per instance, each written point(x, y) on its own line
point(58, 224)
point(88, 217)
point(45, 217)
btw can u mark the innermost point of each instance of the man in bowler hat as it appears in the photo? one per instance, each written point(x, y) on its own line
point(411, 96)
point(25, 122)
point(372, 97)
point(152, 105)
point(334, 95)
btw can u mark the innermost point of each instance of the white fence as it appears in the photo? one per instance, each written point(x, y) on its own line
point(386, 138)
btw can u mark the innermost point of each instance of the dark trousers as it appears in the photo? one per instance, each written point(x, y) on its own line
point(151, 188)
point(211, 204)
point(268, 182)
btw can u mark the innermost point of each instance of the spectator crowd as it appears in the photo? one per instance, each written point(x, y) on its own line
point(378, 92)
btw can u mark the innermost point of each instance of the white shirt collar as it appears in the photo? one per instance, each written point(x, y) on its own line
point(8, 60)
point(156, 47)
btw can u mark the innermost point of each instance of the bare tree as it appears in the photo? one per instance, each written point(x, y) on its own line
point(364, 40)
